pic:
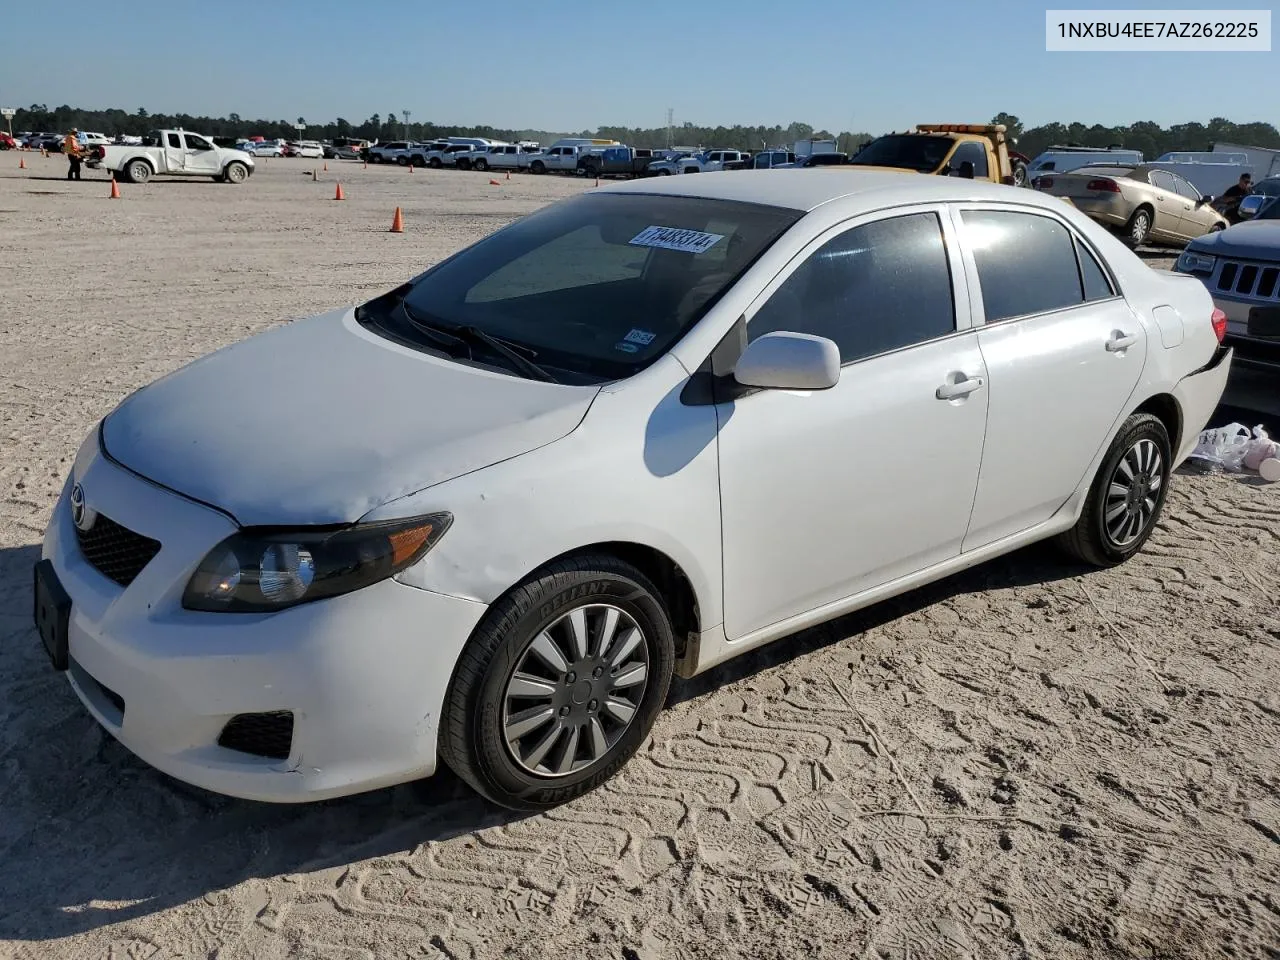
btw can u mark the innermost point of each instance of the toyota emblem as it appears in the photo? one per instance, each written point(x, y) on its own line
point(80, 515)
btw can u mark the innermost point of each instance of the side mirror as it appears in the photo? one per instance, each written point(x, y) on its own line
point(789, 361)
point(966, 169)
point(1206, 199)
point(1250, 206)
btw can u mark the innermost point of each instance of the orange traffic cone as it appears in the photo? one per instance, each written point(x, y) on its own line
point(115, 188)
point(314, 176)
point(338, 194)
point(22, 163)
point(494, 183)
point(397, 223)
point(326, 168)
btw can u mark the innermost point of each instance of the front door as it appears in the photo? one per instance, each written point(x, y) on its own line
point(1063, 353)
point(201, 157)
point(828, 493)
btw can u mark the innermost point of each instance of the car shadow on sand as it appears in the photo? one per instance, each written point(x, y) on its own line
point(91, 836)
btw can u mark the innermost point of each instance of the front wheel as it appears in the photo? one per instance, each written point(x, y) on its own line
point(482, 165)
point(236, 172)
point(560, 684)
point(1126, 497)
point(538, 167)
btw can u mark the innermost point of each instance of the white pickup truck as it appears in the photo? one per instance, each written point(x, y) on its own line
point(176, 153)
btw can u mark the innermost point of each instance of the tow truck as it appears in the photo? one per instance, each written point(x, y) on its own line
point(977, 151)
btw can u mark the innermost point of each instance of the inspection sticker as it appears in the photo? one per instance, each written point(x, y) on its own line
point(673, 238)
point(642, 337)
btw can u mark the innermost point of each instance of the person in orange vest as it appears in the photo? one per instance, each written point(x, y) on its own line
point(71, 147)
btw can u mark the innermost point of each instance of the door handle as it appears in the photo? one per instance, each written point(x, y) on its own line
point(961, 388)
point(1121, 341)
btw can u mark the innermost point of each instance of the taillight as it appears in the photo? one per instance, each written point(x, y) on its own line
point(1219, 320)
point(1042, 183)
point(1105, 186)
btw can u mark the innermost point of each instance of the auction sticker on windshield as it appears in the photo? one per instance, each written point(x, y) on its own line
point(673, 238)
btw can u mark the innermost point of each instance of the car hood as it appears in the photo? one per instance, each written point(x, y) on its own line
point(320, 421)
point(1253, 239)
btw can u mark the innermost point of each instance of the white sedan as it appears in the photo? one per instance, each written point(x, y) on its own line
point(634, 434)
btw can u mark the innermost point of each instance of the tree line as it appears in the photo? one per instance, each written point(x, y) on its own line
point(1149, 137)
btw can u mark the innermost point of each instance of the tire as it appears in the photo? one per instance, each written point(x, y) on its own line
point(461, 164)
point(538, 167)
point(1138, 228)
point(665, 173)
point(435, 163)
point(235, 172)
point(482, 165)
point(1019, 174)
point(1217, 228)
point(474, 730)
point(1105, 543)
point(138, 171)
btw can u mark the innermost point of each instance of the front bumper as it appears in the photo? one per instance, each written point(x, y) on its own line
point(364, 674)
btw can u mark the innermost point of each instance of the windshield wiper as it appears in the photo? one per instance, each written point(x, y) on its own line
point(449, 337)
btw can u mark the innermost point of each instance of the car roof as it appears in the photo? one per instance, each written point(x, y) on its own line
point(805, 190)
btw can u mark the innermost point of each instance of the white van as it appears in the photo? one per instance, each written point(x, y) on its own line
point(1066, 159)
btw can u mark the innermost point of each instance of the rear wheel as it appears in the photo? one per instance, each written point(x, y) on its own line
point(435, 163)
point(1139, 227)
point(1126, 497)
point(139, 171)
point(560, 684)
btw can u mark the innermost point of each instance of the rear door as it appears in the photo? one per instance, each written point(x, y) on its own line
point(1169, 223)
point(1063, 353)
point(175, 153)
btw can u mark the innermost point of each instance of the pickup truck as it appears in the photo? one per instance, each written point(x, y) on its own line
point(175, 153)
point(976, 151)
point(710, 161)
point(616, 162)
point(389, 152)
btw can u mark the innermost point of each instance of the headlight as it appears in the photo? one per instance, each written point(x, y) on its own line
point(1192, 262)
point(260, 572)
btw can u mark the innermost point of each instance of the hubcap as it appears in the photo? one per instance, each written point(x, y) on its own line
point(1133, 492)
point(575, 691)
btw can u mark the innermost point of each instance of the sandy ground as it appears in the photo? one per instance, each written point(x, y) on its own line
point(1028, 760)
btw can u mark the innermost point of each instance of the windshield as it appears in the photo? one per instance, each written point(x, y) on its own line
point(908, 150)
point(596, 287)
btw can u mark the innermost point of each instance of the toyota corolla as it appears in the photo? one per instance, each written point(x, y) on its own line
point(485, 517)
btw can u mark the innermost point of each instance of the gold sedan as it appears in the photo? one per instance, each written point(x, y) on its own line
point(1144, 204)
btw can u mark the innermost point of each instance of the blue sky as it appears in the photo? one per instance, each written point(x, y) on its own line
point(838, 64)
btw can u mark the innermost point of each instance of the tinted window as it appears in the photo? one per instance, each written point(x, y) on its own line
point(1096, 284)
point(174, 141)
point(591, 283)
point(972, 152)
point(877, 287)
point(1026, 263)
point(1162, 179)
point(197, 143)
point(921, 152)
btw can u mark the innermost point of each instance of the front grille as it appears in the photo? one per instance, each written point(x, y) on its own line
point(260, 734)
point(115, 551)
point(1249, 280)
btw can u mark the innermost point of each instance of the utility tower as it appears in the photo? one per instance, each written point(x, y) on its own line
point(405, 113)
point(670, 123)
